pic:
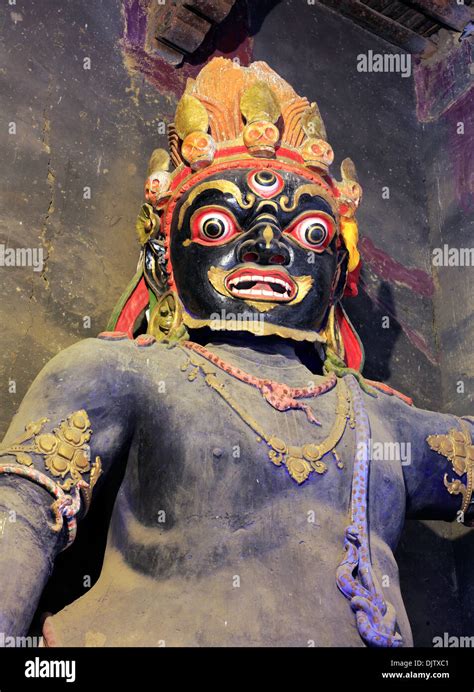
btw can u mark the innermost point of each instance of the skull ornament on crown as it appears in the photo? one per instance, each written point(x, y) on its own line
point(250, 224)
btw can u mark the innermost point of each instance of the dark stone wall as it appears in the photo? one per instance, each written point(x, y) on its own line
point(78, 128)
point(450, 183)
point(445, 106)
point(75, 128)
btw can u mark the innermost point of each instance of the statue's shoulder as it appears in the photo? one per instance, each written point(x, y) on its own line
point(86, 359)
point(112, 356)
point(410, 420)
point(385, 402)
point(389, 391)
point(144, 348)
point(117, 349)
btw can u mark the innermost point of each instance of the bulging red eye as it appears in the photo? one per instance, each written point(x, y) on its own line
point(213, 227)
point(314, 231)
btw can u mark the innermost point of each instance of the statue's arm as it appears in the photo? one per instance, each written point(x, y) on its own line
point(440, 471)
point(80, 406)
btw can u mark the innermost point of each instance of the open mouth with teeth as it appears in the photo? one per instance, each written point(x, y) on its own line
point(261, 284)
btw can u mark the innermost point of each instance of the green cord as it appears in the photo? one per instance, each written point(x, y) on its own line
point(334, 364)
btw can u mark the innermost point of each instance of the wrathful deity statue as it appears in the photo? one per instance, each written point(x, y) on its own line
point(228, 387)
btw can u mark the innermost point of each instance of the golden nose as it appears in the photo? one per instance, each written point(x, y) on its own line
point(267, 236)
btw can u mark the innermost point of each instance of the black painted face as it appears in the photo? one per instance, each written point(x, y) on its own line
point(258, 243)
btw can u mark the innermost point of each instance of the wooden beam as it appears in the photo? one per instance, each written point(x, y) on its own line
point(183, 29)
point(379, 24)
point(178, 27)
point(447, 12)
point(215, 10)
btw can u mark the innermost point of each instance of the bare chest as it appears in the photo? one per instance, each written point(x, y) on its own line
point(217, 448)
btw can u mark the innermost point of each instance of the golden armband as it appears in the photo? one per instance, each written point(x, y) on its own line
point(66, 456)
point(457, 446)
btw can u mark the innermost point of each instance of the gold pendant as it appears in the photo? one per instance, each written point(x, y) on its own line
point(300, 461)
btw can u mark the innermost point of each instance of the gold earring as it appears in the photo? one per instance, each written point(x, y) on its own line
point(166, 319)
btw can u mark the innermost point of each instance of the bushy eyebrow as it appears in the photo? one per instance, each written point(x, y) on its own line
point(220, 186)
point(307, 189)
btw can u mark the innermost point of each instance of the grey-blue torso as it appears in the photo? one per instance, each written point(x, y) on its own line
point(212, 544)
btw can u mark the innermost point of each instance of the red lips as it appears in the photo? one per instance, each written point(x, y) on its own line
point(255, 283)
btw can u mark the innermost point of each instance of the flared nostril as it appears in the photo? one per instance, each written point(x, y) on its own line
point(277, 259)
point(250, 257)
